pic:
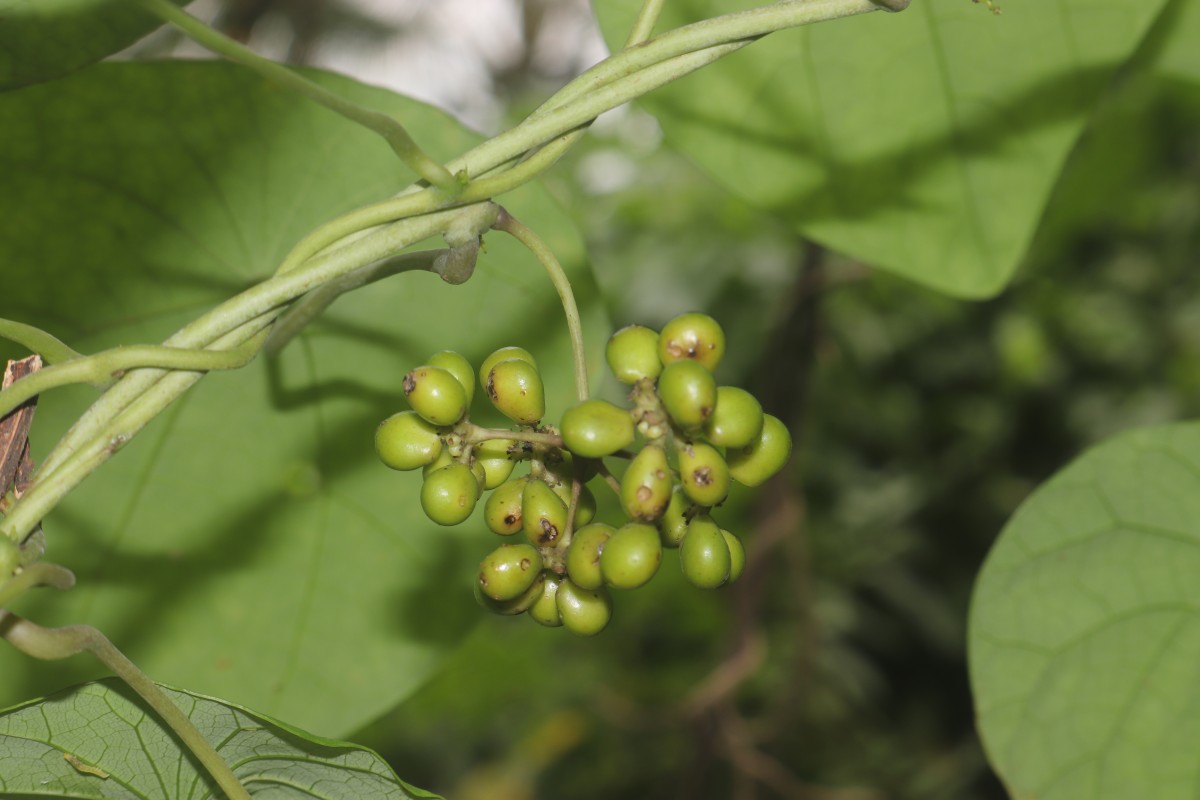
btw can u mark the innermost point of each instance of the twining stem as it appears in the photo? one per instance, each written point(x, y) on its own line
point(42, 573)
point(386, 126)
point(38, 341)
point(513, 227)
point(58, 643)
point(644, 25)
point(103, 367)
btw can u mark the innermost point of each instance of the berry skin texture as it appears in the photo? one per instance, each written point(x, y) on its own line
point(585, 612)
point(492, 456)
point(405, 441)
point(502, 511)
point(673, 525)
point(736, 421)
point(449, 494)
point(688, 393)
point(458, 366)
point(737, 555)
point(518, 605)
point(595, 428)
point(753, 464)
point(509, 570)
point(632, 354)
point(583, 556)
point(503, 354)
point(543, 513)
point(646, 485)
point(585, 512)
point(436, 395)
point(544, 610)
point(704, 473)
point(693, 336)
point(704, 556)
point(515, 389)
point(444, 459)
point(631, 556)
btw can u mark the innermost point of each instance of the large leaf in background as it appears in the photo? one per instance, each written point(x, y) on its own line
point(248, 545)
point(100, 740)
point(925, 142)
point(43, 39)
point(1180, 56)
point(1083, 634)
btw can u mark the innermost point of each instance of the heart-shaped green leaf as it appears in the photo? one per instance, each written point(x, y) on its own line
point(1083, 637)
point(43, 39)
point(925, 142)
point(100, 740)
point(248, 544)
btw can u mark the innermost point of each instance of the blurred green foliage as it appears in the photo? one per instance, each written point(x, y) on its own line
point(921, 424)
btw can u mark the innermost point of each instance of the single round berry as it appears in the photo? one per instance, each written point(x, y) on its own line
point(406, 441)
point(688, 393)
point(492, 456)
point(703, 473)
point(458, 366)
point(693, 336)
point(515, 389)
point(595, 428)
point(449, 494)
point(543, 513)
point(518, 605)
point(704, 556)
point(646, 484)
point(674, 523)
point(631, 556)
point(509, 571)
point(503, 354)
point(737, 555)
point(436, 395)
point(502, 511)
point(444, 459)
point(584, 612)
point(544, 610)
point(736, 421)
point(583, 556)
point(632, 354)
point(753, 464)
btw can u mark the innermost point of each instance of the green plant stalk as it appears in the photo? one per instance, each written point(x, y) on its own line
point(475, 435)
point(389, 128)
point(102, 367)
point(513, 227)
point(50, 348)
point(53, 644)
point(43, 573)
point(644, 26)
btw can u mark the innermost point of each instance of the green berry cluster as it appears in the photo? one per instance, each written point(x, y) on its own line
point(696, 437)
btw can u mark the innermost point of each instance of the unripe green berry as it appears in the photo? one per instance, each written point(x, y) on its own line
point(458, 366)
point(703, 473)
point(518, 605)
point(704, 556)
point(436, 395)
point(674, 524)
point(492, 456)
point(509, 571)
point(753, 464)
point(449, 494)
point(516, 390)
point(585, 512)
point(693, 336)
point(595, 428)
point(503, 354)
point(480, 475)
point(631, 556)
point(585, 612)
point(583, 556)
point(737, 555)
point(406, 441)
point(632, 354)
point(544, 610)
point(646, 484)
point(543, 513)
point(444, 459)
point(688, 393)
point(502, 511)
point(736, 421)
